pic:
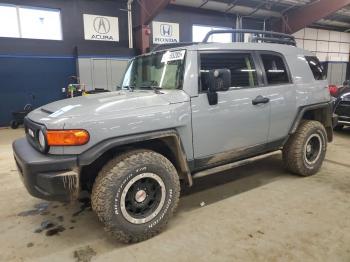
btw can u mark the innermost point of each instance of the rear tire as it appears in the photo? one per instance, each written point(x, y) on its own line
point(305, 150)
point(135, 195)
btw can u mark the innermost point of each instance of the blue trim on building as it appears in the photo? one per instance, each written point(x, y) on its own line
point(106, 56)
point(65, 57)
point(36, 56)
point(35, 80)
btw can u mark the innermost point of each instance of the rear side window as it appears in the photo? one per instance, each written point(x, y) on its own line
point(316, 68)
point(241, 65)
point(275, 69)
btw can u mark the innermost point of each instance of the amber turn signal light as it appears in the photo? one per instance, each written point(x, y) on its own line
point(76, 137)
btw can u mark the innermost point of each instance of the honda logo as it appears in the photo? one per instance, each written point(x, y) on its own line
point(166, 30)
point(102, 25)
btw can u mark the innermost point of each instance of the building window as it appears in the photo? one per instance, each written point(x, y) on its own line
point(30, 22)
point(8, 21)
point(200, 31)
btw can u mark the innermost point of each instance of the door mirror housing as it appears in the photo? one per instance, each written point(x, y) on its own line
point(219, 80)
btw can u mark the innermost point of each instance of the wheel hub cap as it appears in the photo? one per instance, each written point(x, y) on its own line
point(313, 149)
point(308, 148)
point(140, 196)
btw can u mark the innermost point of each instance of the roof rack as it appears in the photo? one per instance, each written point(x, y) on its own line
point(171, 45)
point(258, 36)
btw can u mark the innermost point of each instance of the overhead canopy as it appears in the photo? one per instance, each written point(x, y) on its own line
point(327, 14)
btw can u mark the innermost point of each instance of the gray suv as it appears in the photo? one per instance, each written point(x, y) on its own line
point(179, 111)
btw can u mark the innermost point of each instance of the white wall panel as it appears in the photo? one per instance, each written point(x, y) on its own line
point(101, 72)
point(85, 72)
point(322, 56)
point(310, 33)
point(345, 37)
point(118, 68)
point(344, 48)
point(344, 57)
point(322, 46)
point(310, 45)
point(323, 35)
point(334, 58)
point(300, 43)
point(299, 34)
point(334, 36)
point(334, 47)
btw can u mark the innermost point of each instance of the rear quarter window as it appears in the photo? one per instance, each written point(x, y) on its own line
point(316, 68)
point(275, 69)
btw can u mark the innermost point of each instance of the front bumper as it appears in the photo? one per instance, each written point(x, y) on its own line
point(344, 120)
point(47, 177)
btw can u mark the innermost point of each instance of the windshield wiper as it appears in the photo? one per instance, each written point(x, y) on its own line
point(154, 88)
point(130, 88)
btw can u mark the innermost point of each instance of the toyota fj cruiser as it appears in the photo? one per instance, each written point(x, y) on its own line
point(179, 111)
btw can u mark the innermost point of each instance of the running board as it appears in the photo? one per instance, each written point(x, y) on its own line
point(222, 168)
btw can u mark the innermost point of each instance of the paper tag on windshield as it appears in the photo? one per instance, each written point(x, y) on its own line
point(172, 56)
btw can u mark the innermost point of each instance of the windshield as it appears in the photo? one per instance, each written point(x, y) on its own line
point(162, 70)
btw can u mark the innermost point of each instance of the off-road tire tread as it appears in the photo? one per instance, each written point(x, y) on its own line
point(291, 153)
point(113, 171)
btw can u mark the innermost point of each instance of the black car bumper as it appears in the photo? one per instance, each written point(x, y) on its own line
point(47, 177)
point(343, 120)
point(343, 112)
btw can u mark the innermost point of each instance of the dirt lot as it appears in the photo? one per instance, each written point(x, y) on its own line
point(258, 212)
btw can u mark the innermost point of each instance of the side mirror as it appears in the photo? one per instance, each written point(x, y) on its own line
point(219, 80)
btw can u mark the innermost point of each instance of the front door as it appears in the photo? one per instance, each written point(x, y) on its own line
point(240, 120)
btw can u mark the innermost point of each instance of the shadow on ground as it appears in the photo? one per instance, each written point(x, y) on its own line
point(216, 187)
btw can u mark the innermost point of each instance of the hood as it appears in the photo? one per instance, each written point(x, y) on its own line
point(117, 102)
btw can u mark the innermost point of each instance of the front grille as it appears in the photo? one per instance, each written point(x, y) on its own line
point(32, 132)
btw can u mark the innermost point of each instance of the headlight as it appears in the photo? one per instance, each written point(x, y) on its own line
point(42, 140)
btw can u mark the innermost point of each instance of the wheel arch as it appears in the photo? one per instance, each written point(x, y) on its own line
point(320, 112)
point(168, 143)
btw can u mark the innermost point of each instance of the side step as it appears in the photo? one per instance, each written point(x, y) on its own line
point(222, 168)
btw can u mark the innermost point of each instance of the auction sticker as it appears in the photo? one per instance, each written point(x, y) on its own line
point(173, 55)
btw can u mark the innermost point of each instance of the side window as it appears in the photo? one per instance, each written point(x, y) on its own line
point(275, 69)
point(316, 67)
point(243, 72)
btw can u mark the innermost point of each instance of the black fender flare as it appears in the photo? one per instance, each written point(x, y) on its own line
point(327, 117)
point(170, 137)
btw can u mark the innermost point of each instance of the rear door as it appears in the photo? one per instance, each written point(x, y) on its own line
point(281, 91)
point(235, 123)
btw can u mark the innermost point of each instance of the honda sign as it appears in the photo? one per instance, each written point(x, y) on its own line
point(164, 33)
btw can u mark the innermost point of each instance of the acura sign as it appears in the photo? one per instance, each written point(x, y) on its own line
point(101, 28)
point(164, 33)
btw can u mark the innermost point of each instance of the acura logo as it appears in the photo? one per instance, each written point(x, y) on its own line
point(166, 30)
point(102, 25)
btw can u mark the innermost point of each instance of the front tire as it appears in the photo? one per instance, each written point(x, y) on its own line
point(305, 150)
point(135, 195)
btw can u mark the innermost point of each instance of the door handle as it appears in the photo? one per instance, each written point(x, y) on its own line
point(260, 100)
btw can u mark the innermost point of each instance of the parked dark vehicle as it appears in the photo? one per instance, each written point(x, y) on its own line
point(18, 116)
point(342, 105)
